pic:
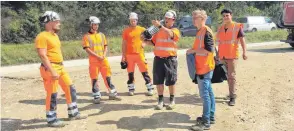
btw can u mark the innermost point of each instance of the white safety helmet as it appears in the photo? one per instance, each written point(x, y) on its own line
point(133, 15)
point(94, 20)
point(49, 16)
point(170, 14)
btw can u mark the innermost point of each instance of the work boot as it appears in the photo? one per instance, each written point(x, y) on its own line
point(159, 106)
point(79, 116)
point(200, 125)
point(117, 98)
point(232, 102)
point(131, 89)
point(97, 100)
point(150, 89)
point(131, 92)
point(212, 120)
point(113, 95)
point(56, 123)
point(171, 106)
point(150, 92)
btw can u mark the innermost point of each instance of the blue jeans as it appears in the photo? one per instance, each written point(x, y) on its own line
point(207, 96)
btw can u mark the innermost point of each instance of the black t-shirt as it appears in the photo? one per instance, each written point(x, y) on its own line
point(240, 33)
point(208, 42)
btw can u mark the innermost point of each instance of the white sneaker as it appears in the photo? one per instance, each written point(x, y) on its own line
point(150, 92)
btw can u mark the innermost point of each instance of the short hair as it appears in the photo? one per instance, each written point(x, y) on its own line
point(201, 12)
point(226, 11)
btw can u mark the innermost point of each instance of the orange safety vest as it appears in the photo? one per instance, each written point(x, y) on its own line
point(98, 48)
point(204, 62)
point(164, 45)
point(228, 42)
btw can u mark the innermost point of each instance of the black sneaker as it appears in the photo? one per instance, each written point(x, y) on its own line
point(232, 102)
point(200, 125)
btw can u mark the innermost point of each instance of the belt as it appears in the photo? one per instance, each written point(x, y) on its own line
point(169, 57)
point(57, 63)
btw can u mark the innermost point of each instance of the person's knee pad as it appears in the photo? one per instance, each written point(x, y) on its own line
point(146, 77)
point(131, 78)
point(73, 93)
point(95, 87)
point(53, 101)
point(111, 86)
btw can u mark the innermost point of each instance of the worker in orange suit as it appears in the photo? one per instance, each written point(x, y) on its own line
point(228, 36)
point(95, 44)
point(133, 54)
point(52, 70)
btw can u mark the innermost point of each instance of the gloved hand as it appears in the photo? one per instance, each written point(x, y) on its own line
point(123, 65)
point(147, 35)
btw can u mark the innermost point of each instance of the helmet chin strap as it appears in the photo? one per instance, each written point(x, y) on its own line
point(92, 29)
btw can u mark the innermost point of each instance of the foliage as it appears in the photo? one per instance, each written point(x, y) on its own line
point(19, 19)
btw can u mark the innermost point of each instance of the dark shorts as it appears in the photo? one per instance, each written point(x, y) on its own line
point(165, 69)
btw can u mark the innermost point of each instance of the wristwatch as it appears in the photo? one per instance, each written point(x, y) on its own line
point(159, 26)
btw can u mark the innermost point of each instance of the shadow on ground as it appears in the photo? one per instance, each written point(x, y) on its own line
point(158, 120)
point(186, 99)
point(9, 124)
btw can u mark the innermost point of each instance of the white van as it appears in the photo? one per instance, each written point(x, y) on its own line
point(256, 23)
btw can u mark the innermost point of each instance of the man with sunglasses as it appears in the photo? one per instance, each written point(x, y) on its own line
point(228, 36)
point(165, 61)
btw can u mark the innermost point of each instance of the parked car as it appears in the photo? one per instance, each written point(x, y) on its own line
point(186, 26)
point(256, 23)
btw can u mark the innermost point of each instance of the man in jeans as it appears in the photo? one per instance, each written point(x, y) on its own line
point(227, 38)
point(203, 49)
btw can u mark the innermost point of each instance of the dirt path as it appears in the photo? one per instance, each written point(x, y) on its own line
point(265, 99)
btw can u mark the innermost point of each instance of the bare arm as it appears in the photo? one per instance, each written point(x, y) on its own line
point(169, 31)
point(105, 50)
point(198, 51)
point(148, 42)
point(90, 52)
point(243, 44)
point(123, 48)
point(42, 52)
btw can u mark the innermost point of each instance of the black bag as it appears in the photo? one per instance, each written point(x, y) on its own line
point(219, 72)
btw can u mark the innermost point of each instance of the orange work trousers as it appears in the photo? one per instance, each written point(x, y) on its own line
point(51, 87)
point(139, 59)
point(101, 66)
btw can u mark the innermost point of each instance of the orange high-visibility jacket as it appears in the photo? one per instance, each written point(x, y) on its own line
point(96, 43)
point(204, 62)
point(228, 41)
point(164, 45)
